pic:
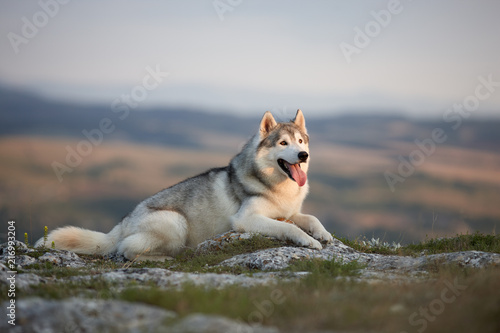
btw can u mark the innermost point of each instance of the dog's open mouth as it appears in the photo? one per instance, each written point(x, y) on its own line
point(293, 171)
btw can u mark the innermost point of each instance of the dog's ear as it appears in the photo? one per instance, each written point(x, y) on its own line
point(300, 121)
point(267, 123)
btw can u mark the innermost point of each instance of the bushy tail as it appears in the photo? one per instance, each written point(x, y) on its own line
point(82, 241)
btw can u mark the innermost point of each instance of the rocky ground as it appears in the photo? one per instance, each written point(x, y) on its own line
point(267, 266)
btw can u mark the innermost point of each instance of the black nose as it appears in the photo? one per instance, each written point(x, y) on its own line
point(303, 156)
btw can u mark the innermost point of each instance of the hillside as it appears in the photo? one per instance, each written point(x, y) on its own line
point(456, 189)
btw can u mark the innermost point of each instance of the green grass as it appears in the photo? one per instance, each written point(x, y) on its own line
point(248, 304)
point(467, 242)
point(343, 304)
point(464, 242)
point(324, 271)
point(92, 288)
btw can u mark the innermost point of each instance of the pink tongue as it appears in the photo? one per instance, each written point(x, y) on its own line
point(297, 174)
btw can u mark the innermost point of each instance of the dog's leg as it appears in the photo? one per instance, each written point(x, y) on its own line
point(158, 236)
point(312, 226)
point(269, 227)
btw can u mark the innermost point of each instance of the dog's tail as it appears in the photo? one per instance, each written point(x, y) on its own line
point(82, 241)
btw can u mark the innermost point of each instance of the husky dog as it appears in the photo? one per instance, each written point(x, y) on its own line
point(265, 181)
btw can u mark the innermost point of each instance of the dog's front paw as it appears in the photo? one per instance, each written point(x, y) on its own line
point(323, 236)
point(308, 241)
point(316, 245)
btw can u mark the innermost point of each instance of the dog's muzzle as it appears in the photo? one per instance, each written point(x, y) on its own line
point(294, 171)
point(303, 156)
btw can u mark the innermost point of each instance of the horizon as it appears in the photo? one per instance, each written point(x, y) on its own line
point(283, 114)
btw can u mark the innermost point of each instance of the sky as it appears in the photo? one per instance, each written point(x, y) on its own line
point(416, 58)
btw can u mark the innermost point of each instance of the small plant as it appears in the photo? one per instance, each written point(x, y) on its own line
point(53, 245)
point(26, 239)
point(45, 235)
point(377, 244)
point(372, 246)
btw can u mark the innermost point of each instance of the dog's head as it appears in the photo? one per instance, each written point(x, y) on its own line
point(284, 148)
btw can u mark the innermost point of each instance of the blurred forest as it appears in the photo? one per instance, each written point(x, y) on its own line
point(456, 189)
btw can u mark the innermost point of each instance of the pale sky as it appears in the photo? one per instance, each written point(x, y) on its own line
point(263, 55)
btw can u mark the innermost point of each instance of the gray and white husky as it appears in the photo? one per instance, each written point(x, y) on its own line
point(265, 181)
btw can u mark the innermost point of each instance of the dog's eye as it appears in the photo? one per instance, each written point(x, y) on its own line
point(283, 143)
point(300, 140)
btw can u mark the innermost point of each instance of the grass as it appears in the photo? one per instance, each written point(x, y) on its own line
point(467, 242)
point(464, 242)
point(327, 298)
point(321, 272)
point(340, 304)
point(358, 245)
point(92, 288)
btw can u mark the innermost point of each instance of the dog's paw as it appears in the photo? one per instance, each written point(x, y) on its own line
point(316, 245)
point(324, 237)
point(309, 242)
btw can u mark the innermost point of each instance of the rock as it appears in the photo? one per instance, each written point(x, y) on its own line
point(279, 258)
point(63, 258)
point(84, 315)
point(199, 323)
point(220, 241)
point(25, 256)
point(22, 281)
point(165, 278)
point(36, 315)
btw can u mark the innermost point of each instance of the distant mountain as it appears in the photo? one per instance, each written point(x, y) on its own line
point(23, 113)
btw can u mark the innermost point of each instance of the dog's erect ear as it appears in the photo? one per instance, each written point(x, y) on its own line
point(267, 123)
point(300, 121)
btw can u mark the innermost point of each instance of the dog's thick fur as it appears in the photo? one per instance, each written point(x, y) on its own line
point(265, 181)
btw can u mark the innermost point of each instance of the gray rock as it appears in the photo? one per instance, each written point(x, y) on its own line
point(25, 256)
point(22, 281)
point(36, 315)
point(199, 323)
point(84, 315)
point(62, 258)
point(279, 258)
point(20, 259)
point(218, 242)
point(165, 278)
point(23, 260)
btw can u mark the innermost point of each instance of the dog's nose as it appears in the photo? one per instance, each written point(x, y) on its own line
point(303, 156)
